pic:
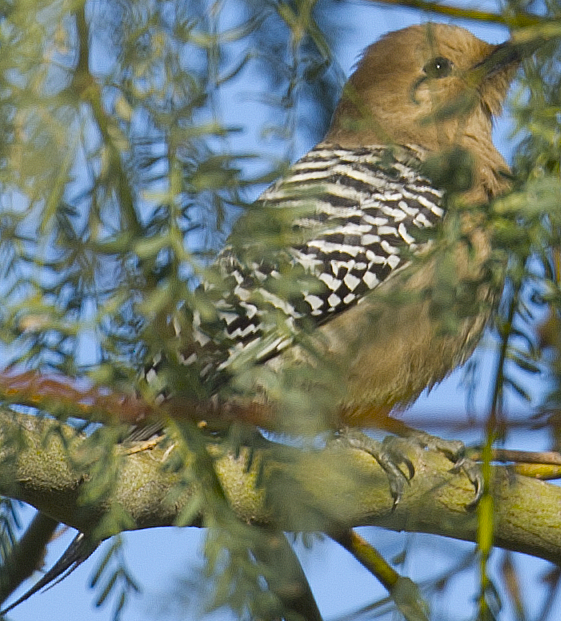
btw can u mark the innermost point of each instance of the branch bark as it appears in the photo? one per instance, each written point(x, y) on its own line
point(284, 487)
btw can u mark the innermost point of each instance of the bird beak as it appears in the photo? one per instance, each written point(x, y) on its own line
point(502, 57)
point(505, 56)
point(492, 76)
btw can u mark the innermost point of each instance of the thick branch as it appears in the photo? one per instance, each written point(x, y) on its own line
point(298, 490)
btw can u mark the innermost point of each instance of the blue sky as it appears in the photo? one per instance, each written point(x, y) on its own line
point(158, 558)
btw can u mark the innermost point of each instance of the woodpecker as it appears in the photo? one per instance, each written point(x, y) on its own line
point(350, 217)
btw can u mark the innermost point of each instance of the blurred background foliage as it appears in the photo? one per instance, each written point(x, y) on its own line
point(120, 178)
point(129, 147)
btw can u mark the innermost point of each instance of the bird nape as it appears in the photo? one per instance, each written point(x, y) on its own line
point(346, 283)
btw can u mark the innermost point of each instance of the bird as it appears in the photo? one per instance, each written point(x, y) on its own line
point(308, 267)
point(331, 277)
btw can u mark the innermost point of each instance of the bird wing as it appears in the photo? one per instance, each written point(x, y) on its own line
point(353, 218)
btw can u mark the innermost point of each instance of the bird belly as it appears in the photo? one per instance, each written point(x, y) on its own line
point(380, 355)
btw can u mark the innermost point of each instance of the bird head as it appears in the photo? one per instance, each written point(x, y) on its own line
point(424, 85)
point(435, 86)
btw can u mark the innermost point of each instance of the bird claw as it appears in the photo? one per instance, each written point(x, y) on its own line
point(475, 476)
point(390, 456)
point(454, 450)
point(386, 453)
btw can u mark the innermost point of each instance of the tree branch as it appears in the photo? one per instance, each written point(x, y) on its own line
point(288, 488)
point(520, 20)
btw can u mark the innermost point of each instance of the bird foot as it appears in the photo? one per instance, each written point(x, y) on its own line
point(386, 453)
point(473, 472)
point(454, 450)
point(390, 456)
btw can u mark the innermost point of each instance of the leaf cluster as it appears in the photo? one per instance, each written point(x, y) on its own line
point(120, 177)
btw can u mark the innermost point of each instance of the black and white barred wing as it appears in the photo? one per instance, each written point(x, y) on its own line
point(346, 220)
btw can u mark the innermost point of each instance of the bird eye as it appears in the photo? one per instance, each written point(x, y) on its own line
point(438, 67)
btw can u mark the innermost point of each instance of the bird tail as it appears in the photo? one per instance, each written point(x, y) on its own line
point(75, 554)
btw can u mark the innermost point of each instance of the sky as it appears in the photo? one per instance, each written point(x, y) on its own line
point(159, 558)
